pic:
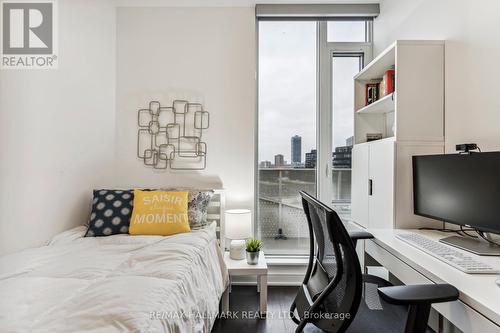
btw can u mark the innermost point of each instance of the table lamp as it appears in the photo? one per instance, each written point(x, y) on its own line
point(238, 227)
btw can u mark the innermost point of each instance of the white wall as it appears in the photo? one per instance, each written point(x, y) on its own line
point(57, 129)
point(199, 54)
point(472, 89)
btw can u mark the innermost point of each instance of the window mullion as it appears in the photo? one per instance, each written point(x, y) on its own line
point(324, 130)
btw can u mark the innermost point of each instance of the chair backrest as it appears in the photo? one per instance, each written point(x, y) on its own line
point(333, 279)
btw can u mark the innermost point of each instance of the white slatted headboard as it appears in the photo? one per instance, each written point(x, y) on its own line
point(216, 210)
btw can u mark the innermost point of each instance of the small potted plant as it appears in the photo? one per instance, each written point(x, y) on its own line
point(253, 249)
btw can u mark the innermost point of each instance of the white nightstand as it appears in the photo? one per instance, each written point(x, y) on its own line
point(241, 268)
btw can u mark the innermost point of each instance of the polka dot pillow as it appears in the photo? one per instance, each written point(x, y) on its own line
point(111, 211)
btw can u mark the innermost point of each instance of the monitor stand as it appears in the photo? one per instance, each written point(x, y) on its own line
point(476, 246)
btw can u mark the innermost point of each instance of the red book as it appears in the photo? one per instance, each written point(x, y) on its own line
point(388, 82)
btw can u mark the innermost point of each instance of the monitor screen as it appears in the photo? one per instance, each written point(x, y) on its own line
point(462, 189)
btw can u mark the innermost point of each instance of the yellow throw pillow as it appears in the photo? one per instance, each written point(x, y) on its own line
point(159, 213)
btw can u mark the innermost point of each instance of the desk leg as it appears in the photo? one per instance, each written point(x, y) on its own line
point(263, 293)
point(225, 300)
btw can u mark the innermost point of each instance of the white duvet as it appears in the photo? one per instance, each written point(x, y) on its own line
point(112, 284)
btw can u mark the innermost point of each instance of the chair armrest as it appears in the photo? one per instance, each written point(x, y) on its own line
point(418, 298)
point(355, 235)
point(419, 294)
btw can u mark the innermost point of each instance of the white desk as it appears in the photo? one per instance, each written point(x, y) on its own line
point(478, 308)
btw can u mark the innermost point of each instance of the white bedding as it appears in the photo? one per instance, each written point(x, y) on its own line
point(119, 283)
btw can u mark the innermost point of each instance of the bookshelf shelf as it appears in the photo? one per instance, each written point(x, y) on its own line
point(383, 105)
point(376, 68)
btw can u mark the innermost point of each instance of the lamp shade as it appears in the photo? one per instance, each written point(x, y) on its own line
point(238, 223)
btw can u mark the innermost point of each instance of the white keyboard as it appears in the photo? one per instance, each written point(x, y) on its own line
point(447, 254)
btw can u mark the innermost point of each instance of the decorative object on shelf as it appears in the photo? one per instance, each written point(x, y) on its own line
point(373, 136)
point(253, 249)
point(171, 136)
point(238, 227)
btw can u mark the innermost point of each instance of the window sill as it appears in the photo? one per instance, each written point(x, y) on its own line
point(276, 260)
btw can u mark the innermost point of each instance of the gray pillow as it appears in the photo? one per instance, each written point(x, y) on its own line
point(198, 201)
point(198, 208)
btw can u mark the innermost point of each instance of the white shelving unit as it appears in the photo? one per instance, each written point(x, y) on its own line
point(411, 121)
point(418, 97)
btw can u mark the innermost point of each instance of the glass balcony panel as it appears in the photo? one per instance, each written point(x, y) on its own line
point(282, 223)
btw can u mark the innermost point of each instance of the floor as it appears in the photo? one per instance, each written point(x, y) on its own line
point(244, 305)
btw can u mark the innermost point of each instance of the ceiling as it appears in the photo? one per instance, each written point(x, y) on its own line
point(226, 3)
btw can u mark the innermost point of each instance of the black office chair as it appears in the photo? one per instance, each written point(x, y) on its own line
point(336, 297)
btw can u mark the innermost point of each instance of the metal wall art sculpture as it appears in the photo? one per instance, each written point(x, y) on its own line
point(171, 136)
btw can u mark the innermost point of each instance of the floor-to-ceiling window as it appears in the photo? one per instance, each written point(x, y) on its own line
point(305, 78)
point(287, 131)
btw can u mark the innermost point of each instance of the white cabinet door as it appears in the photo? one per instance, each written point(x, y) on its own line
point(381, 176)
point(359, 187)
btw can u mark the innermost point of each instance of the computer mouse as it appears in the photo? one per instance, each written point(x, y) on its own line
point(497, 282)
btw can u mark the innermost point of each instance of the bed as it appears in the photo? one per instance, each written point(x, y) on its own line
point(119, 283)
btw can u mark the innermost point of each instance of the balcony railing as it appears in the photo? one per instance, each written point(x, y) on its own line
point(280, 207)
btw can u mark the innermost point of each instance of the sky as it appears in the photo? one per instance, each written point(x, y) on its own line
point(287, 89)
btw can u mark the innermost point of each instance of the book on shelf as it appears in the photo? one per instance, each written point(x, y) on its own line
point(371, 93)
point(387, 83)
point(377, 90)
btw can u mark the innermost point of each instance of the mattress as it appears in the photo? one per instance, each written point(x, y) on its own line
point(118, 283)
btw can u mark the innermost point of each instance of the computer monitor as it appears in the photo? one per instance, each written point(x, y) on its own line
point(462, 189)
